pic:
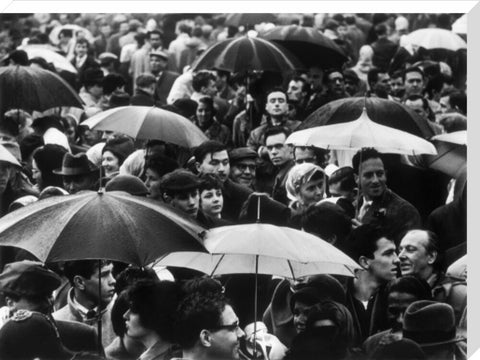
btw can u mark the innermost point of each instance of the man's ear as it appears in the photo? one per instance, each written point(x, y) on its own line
point(432, 257)
point(79, 282)
point(356, 179)
point(167, 198)
point(197, 166)
point(364, 262)
point(205, 338)
point(9, 302)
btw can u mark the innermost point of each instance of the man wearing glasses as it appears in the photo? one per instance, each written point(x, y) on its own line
point(243, 166)
point(207, 328)
point(335, 85)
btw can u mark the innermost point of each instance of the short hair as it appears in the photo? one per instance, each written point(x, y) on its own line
point(144, 80)
point(275, 130)
point(276, 89)
point(305, 85)
point(196, 313)
point(161, 164)
point(209, 182)
point(363, 241)
point(398, 74)
point(326, 219)
point(372, 76)
point(131, 275)
point(155, 303)
point(208, 101)
point(111, 82)
point(365, 154)
point(203, 285)
point(84, 268)
point(329, 72)
point(458, 100)
point(411, 284)
point(201, 79)
point(157, 32)
point(413, 69)
point(207, 147)
point(380, 29)
point(65, 33)
point(82, 41)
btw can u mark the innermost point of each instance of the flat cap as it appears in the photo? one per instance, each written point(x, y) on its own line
point(242, 153)
point(159, 53)
point(179, 180)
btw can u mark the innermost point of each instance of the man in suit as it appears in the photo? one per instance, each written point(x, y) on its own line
point(28, 285)
point(165, 78)
point(82, 61)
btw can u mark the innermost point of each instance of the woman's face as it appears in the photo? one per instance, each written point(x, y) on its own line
point(36, 174)
point(134, 327)
point(70, 131)
point(110, 163)
point(204, 114)
point(311, 192)
point(211, 202)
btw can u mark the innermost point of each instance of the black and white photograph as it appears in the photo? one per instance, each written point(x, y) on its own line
point(233, 186)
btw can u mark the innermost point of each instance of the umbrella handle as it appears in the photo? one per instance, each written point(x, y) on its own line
point(99, 319)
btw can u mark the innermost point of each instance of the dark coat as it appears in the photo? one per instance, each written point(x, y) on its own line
point(164, 85)
point(383, 52)
point(77, 337)
point(142, 98)
point(234, 195)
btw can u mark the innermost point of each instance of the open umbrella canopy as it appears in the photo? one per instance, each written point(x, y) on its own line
point(435, 38)
point(264, 249)
point(90, 225)
point(145, 122)
point(452, 153)
point(48, 53)
point(308, 44)
point(246, 54)
point(7, 156)
point(249, 19)
point(361, 133)
point(382, 111)
point(75, 29)
point(34, 89)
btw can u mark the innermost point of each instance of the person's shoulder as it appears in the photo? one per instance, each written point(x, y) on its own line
point(63, 313)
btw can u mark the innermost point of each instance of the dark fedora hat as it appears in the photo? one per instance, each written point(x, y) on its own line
point(29, 278)
point(73, 165)
point(430, 323)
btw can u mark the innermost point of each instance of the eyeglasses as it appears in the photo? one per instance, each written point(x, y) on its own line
point(306, 160)
point(244, 167)
point(232, 327)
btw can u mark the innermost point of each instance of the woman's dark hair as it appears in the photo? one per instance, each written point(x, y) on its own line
point(209, 182)
point(48, 158)
point(411, 284)
point(155, 303)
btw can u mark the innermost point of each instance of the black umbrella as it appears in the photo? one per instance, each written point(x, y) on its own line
point(249, 19)
point(246, 55)
point(29, 88)
point(382, 111)
point(309, 45)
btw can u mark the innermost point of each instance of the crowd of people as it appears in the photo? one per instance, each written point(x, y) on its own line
point(402, 222)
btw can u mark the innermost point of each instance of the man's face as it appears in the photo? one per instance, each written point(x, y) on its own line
point(372, 179)
point(155, 41)
point(383, 86)
point(225, 342)
point(277, 105)
point(76, 183)
point(216, 163)
point(157, 64)
point(351, 86)
point(295, 92)
point(445, 104)
point(384, 265)
point(204, 115)
point(81, 49)
point(336, 84)
point(244, 172)
point(211, 89)
point(123, 28)
point(187, 202)
point(413, 254)
point(417, 106)
point(413, 83)
point(315, 75)
point(398, 303)
point(212, 202)
point(304, 155)
point(278, 152)
point(107, 285)
point(300, 312)
point(397, 86)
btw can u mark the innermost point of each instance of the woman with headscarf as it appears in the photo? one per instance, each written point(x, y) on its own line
point(305, 186)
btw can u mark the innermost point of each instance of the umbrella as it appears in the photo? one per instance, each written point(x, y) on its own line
point(265, 249)
point(245, 55)
point(249, 19)
point(6, 156)
point(460, 25)
point(435, 38)
point(361, 133)
point(34, 89)
point(309, 45)
point(452, 153)
point(90, 225)
point(75, 28)
point(382, 111)
point(144, 122)
point(50, 55)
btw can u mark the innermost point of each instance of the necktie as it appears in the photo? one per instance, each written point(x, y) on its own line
point(363, 210)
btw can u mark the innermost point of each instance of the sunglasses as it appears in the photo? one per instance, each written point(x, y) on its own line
point(232, 327)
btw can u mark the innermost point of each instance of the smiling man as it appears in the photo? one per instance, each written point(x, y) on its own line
point(207, 328)
point(379, 205)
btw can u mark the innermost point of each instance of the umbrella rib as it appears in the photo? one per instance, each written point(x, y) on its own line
point(291, 269)
point(217, 265)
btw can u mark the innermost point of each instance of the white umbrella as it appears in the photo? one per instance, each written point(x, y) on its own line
point(146, 122)
point(361, 133)
point(460, 25)
point(55, 31)
point(456, 137)
point(48, 53)
point(434, 38)
point(7, 156)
